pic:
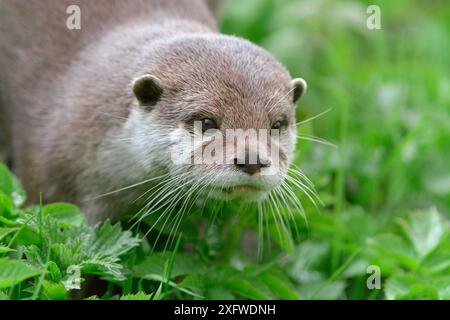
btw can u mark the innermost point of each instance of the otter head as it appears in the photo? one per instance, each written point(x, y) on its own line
point(221, 111)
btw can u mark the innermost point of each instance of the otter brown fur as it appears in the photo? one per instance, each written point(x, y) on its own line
point(80, 125)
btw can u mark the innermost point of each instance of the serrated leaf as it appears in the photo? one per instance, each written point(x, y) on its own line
point(109, 240)
point(13, 272)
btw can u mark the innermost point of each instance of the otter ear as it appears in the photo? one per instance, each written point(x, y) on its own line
point(299, 86)
point(147, 89)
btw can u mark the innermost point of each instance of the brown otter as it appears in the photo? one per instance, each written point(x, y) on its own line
point(91, 112)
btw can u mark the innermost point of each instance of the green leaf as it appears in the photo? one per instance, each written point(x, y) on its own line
point(398, 287)
point(6, 205)
point(4, 249)
point(13, 272)
point(6, 180)
point(160, 278)
point(244, 288)
point(305, 261)
point(54, 291)
point(137, 296)
point(411, 286)
point(54, 272)
point(331, 291)
point(10, 186)
point(109, 240)
point(68, 215)
point(424, 229)
point(184, 264)
point(438, 261)
point(5, 231)
point(18, 194)
point(279, 287)
point(394, 247)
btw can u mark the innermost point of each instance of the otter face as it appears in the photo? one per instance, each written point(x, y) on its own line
point(224, 112)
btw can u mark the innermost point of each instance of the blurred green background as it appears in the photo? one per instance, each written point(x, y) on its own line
point(388, 91)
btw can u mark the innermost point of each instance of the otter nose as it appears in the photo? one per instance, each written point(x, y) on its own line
point(251, 168)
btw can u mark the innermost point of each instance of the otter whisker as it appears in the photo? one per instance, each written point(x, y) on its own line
point(178, 217)
point(196, 191)
point(278, 218)
point(313, 117)
point(298, 183)
point(297, 171)
point(260, 230)
point(303, 188)
point(294, 199)
point(126, 188)
point(281, 196)
point(318, 140)
point(149, 207)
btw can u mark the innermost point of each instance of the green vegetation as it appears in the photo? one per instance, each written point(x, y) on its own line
point(386, 189)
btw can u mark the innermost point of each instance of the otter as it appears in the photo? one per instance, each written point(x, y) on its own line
point(90, 113)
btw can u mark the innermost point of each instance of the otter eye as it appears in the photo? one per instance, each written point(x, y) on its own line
point(279, 124)
point(208, 123)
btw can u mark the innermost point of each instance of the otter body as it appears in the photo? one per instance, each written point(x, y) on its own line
point(89, 111)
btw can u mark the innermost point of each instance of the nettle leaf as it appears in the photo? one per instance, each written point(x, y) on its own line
point(68, 215)
point(13, 272)
point(95, 250)
point(92, 250)
point(424, 229)
point(109, 240)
